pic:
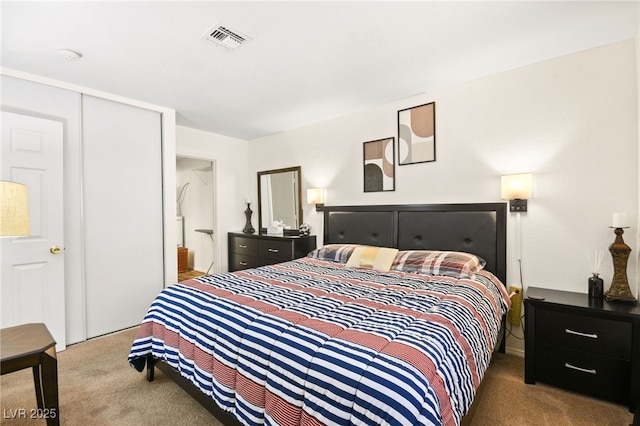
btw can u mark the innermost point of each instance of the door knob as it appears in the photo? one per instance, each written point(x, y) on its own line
point(55, 249)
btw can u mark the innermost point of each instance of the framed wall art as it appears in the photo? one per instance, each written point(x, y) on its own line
point(417, 134)
point(379, 165)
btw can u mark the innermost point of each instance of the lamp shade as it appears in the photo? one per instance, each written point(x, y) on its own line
point(518, 186)
point(315, 196)
point(14, 211)
point(620, 220)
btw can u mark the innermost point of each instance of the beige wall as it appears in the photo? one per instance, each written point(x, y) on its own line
point(637, 251)
point(572, 121)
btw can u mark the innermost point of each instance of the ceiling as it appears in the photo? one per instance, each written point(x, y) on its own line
point(306, 61)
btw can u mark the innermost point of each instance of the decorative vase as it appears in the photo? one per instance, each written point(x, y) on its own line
point(248, 228)
point(596, 286)
point(619, 290)
point(304, 229)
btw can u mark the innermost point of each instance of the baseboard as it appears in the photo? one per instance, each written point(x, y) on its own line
point(515, 352)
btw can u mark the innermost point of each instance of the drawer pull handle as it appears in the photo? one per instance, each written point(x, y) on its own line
point(584, 370)
point(577, 333)
point(242, 246)
point(243, 263)
point(273, 250)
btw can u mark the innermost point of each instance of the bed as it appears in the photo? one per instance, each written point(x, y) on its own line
point(335, 338)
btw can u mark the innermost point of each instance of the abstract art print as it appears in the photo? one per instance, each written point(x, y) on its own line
point(417, 134)
point(379, 165)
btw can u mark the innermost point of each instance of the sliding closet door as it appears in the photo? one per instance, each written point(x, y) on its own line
point(122, 200)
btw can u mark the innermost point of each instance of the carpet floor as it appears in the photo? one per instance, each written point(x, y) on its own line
point(97, 387)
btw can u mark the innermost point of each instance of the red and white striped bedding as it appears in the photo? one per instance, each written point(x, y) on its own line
point(313, 342)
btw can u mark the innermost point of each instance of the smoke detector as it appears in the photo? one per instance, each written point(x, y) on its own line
point(223, 36)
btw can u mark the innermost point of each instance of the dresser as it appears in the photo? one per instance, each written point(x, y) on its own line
point(253, 250)
point(584, 345)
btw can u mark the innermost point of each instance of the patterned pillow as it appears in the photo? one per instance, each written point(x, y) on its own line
point(334, 252)
point(378, 258)
point(449, 263)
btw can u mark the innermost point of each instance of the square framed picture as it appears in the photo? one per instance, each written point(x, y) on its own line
point(417, 134)
point(379, 165)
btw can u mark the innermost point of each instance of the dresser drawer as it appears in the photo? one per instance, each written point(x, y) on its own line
point(276, 250)
point(596, 375)
point(252, 251)
point(241, 261)
point(589, 334)
point(245, 246)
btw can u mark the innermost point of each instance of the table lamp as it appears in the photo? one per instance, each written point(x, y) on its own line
point(619, 290)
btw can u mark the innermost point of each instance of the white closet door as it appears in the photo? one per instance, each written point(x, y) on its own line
point(122, 199)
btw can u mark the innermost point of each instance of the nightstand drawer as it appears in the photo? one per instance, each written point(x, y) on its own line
point(246, 246)
point(597, 335)
point(596, 375)
point(276, 250)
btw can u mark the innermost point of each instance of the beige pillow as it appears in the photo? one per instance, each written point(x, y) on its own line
point(378, 258)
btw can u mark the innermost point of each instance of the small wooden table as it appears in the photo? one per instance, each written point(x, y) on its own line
point(31, 345)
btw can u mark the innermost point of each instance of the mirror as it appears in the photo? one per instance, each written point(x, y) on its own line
point(279, 198)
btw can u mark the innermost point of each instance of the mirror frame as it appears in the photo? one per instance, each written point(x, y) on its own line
point(297, 169)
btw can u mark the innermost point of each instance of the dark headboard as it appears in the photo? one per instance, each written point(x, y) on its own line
point(480, 229)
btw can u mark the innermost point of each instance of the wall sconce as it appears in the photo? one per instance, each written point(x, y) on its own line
point(316, 196)
point(517, 189)
point(14, 210)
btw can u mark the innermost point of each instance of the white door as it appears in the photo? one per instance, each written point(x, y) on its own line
point(32, 275)
point(122, 203)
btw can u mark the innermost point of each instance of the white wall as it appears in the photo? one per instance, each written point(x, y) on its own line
point(637, 251)
point(230, 156)
point(572, 121)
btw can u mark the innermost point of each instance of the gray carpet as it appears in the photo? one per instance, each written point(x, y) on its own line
point(97, 387)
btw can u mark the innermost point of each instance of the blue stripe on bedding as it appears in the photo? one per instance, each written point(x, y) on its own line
point(311, 340)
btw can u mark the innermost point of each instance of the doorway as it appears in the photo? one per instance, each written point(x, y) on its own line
point(32, 272)
point(195, 207)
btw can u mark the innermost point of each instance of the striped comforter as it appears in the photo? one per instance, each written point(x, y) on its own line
point(312, 342)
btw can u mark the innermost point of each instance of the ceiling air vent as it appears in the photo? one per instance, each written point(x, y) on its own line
point(225, 37)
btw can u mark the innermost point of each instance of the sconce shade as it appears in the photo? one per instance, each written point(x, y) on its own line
point(518, 186)
point(315, 196)
point(14, 210)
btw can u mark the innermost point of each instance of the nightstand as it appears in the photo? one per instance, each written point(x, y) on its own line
point(584, 345)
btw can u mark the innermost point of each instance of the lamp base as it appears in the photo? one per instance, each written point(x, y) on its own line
point(619, 290)
point(248, 228)
point(620, 298)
